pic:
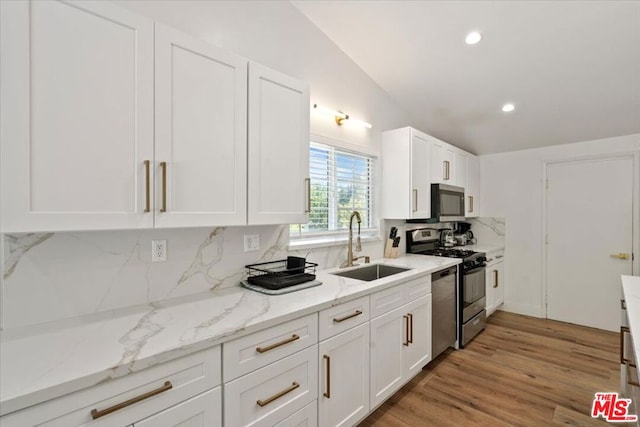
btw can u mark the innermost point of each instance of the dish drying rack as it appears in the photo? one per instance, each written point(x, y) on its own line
point(281, 273)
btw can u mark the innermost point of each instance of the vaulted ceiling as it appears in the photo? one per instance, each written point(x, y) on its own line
point(571, 68)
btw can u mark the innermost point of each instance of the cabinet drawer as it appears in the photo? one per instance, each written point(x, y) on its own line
point(495, 256)
point(188, 376)
point(385, 301)
point(335, 320)
point(417, 288)
point(272, 393)
point(204, 410)
point(254, 351)
point(305, 417)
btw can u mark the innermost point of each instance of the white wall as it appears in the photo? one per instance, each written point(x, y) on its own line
point(511, 187)
point(48, 277)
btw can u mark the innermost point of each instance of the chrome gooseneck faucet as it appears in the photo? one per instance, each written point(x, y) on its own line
point(350, 257)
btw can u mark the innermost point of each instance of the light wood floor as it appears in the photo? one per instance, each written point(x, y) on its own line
point(520, 371)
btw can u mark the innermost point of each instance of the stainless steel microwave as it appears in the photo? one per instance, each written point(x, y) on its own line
point(447, 203)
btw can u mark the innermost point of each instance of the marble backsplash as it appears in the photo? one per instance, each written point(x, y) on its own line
point(488, 230)
point(54, 276)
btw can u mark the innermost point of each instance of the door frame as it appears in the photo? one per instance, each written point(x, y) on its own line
point(635, 230)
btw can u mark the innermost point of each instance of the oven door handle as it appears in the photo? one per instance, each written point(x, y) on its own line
point(475, 270)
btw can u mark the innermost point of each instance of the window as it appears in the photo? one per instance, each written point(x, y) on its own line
point(341, 182)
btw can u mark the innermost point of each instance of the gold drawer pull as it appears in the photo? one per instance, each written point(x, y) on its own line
point(406, 334)
point(163, 166)
point(623, 330)
point(278, 344)
point(342, 319)
point(147, 195)
point(495, 278)
point(410, 340)
point(265, 402)
point(327, 393)
point(308, 181)
point(95, 414)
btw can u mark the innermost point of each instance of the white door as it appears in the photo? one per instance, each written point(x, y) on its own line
point(344, 377)
point(420, 178)
point(388, 335)
point(278, 148)
point(77, 116)
point(418, 352)
point(204, 410)
point(589, 219)
point(201, 146)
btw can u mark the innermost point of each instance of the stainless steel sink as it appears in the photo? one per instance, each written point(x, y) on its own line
point(371, 272)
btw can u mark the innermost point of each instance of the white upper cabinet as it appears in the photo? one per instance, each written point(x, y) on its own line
point(200, 139)
point(105, 125)
point(76, 116)
point(278, 148)
point(472, 190)
point(406, 180)
point(443, 168)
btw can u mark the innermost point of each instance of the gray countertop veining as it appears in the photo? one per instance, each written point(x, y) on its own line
point(47, 361)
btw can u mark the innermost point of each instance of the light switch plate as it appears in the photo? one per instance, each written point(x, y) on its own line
point(251, 242)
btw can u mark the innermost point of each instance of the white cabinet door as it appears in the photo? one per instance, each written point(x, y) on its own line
point(204, 410)
point(443, 169)
point(420, 177)
point(461, 169)
point(278, 148)
point(388, 336)
point(200, 140)
point(494, 286)
point(344, 377)
point(472, 189)
point(418, 352)
point(77, 116)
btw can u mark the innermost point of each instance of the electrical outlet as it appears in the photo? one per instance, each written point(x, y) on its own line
point(158, 250)
point(251, 242)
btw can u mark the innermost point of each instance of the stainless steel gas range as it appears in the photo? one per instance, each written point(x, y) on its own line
point(470, 290)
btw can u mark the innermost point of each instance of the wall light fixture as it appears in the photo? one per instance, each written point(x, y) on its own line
point(340, 117)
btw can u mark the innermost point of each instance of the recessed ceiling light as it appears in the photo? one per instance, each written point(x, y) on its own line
point(507, 108)
point(473, 37)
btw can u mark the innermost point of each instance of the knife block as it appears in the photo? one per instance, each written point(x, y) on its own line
point(389, 250)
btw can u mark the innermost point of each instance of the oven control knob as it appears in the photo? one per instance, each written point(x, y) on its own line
point(481, 259)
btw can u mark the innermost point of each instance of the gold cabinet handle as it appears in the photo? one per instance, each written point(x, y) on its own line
point(621, 255)
point(470, 203)
point(406, 334)
point(278, 344)
point(276, 396)
point(623, 330)
point(342, 319)
point(308, 181)
point(410, 339)
point(147, 186)
point(415, 200)
point(495, 278)
point(445, 170)
point(163, 166)
point(327, 393)
point(95, 414)
point(623, 304)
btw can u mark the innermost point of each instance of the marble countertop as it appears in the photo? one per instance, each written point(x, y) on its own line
point(631, 292)
point(481, 247)
point(44, 362)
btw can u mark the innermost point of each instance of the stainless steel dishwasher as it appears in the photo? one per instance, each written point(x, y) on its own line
point(443, 323)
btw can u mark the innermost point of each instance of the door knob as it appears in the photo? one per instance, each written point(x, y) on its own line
point(621, 255)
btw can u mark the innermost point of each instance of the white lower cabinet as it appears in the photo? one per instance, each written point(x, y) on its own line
point(494, 280)
point(200, 411)
point(269, 395)
point(343, 397)
point(305, 417)
point(400, 347)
